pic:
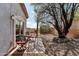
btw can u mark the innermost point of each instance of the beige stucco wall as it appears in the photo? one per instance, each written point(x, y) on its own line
point(74, 30)
point(6, 24)
point(75, 25)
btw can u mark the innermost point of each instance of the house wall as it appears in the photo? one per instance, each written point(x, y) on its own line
point(74, 30)
point(4, 28)
point(6, 25)
point(16, 10)
point(75, 25)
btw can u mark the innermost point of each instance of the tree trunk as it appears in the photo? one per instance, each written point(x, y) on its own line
point(61, 35)
point(64, 32)
point(37, 29)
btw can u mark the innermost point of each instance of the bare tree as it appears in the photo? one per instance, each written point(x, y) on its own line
point(38, 16)
point(60, 14)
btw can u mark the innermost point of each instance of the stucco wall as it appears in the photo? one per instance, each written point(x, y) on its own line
point(75, 25)
point(6, 26)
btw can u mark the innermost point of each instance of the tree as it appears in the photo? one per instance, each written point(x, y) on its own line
point(38, 16)
point(61, 15)
point(37, 21)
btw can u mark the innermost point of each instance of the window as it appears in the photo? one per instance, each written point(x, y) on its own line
point(19, 27)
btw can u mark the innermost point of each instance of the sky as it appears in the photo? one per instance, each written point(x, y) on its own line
point(31, 23)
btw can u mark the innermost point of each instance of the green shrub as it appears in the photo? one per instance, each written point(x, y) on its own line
point(45, 29)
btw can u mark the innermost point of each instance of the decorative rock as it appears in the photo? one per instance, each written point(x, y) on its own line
point(30, 47)
point(39, 45)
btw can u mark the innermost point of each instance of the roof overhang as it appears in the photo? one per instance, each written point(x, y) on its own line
point(24, 9)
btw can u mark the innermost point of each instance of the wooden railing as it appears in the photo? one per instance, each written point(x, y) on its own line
point(13, 50)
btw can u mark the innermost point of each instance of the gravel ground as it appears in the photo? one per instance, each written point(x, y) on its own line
point(45, 46)
point(60, 49)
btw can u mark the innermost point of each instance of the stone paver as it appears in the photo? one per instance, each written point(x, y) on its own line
point(35, 47)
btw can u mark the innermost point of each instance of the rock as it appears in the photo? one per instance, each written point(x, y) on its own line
point(36, 44)
point(30, 47)
point(39, 45)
